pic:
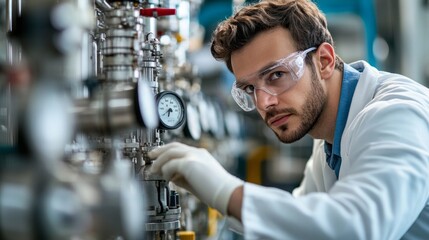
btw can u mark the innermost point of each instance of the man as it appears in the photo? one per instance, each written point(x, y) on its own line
point(368, 176)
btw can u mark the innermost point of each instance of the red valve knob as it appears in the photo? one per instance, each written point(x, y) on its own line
point(157, 12)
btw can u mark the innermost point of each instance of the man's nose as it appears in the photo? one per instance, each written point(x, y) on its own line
point(264, 100)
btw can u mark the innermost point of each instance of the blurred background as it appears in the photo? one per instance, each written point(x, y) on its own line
point(88, 87)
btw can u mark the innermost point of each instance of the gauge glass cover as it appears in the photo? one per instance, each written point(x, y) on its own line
point(170, 110)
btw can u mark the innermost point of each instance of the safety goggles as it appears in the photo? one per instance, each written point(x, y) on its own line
point(274, 79)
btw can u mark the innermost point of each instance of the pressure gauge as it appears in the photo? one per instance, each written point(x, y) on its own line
point(145, 98)
point(192, 127)
point(216, 120)
point(171, 110)
point(204, 114)
point(233, 128)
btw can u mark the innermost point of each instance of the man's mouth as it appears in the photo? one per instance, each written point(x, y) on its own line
point(278, 120)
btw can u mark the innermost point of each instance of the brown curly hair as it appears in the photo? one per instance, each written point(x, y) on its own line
point(306, 23)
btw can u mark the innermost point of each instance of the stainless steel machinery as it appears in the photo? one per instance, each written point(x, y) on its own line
point(88, 88)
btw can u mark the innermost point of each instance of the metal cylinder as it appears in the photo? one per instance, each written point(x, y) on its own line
point(107, 111)
point(163, 212)
point(36, 205)
point(120, 48)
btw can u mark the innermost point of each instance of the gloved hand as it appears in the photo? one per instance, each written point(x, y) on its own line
point(195, 170)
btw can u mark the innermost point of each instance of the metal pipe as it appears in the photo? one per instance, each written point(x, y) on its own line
point(13, 58)
point(103, 5)
point(13, 10)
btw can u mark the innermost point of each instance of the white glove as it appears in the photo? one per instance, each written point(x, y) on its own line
point(195, 170)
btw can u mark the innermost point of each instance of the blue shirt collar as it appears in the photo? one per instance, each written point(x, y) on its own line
point(348, 86)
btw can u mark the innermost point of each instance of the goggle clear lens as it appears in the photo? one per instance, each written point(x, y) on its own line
point(274, 81)
point(244, 100)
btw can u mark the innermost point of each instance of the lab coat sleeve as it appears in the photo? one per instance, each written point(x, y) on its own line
point(381, 193)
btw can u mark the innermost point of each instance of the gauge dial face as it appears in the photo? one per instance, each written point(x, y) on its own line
point(203, 111)
point(192, 127)
point(146, 103)
point(171, 110)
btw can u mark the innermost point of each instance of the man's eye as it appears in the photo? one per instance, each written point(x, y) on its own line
point(249, 89)
point(276, 75)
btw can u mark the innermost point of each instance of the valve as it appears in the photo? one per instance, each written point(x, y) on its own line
point(157, 12)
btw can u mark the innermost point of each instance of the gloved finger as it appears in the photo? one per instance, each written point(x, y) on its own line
point(172, 168)
point(154, 153)
point(157, 151)
point(166, 156)
point(181, 173)
point(180, 181)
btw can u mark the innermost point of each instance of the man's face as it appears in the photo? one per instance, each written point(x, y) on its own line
point(293, 113)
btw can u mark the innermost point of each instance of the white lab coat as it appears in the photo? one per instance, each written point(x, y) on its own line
point(383, 186)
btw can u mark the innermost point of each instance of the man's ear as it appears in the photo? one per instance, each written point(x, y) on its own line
point(325, 60)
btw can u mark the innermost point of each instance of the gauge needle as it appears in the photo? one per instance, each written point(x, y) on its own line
point(168, 111)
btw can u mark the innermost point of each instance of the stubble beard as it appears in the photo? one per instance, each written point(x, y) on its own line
point(311, 111)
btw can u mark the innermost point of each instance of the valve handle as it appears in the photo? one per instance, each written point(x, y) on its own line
point(157, 12)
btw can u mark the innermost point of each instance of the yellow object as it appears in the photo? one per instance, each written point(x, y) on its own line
point(213, 216)
point(179, 37)
point(186, 235)
point(254, 163)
